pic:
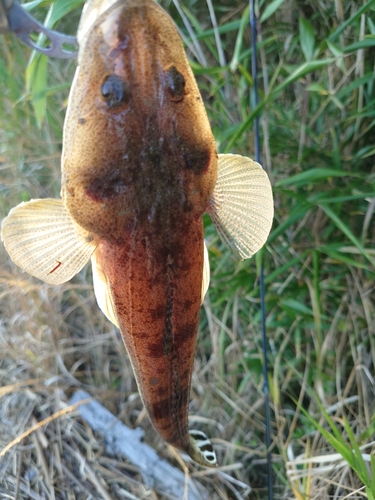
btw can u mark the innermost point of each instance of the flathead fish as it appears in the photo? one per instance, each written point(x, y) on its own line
point(139, 170)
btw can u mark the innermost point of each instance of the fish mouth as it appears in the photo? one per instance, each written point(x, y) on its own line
point(93, 10)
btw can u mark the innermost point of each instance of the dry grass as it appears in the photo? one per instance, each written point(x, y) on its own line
point(53, 340)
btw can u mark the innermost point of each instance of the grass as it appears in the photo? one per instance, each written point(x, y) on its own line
point(317, 115)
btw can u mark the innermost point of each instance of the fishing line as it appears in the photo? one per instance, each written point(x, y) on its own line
point(254, 72)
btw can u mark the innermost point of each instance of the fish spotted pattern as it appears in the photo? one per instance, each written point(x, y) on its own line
point(139, 169)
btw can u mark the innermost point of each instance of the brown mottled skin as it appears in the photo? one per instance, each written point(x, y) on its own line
point(139, 177)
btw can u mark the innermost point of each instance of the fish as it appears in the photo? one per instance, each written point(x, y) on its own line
point(139, 169)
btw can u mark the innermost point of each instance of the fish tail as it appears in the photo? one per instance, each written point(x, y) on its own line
point(201, 450)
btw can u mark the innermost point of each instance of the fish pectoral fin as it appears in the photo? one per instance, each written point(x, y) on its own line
point(102, 290)
point(206, 273)
point(42, 239)
point(241, 206)
point(201, 449)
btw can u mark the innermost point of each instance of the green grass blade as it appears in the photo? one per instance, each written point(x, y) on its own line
point(360, 467)
point(337, 441)
point(345, 230)
point(368, 41)
point(38, 88)
point(270, 9)
point(299, 72)
point(296, 307)
point(351, 20)
point(240, 36)
point(244, 126)
point(36, 72)
point(271, 277)
point(60, 9)
point(372, 463)
point(340, 258)
point(224, 28)
point(32, 5)
point(321, 198)
point(307, 38)
point(297, 214)
point(311, 176)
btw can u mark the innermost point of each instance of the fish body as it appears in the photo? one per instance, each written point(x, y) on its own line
point(138, 147)
point(139, 169)
point(157, 295)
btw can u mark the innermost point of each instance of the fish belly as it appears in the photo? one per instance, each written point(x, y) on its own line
point(156, 290)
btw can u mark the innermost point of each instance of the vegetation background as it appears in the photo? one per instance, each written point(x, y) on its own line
point(317, 109)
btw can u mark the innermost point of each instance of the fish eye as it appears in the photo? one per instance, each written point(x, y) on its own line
point(175, 84)
point(115, 91)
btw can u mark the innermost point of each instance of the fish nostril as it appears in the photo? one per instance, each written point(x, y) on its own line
point(175, 84)
point(115, 91)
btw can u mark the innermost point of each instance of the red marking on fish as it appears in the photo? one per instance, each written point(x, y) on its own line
point(55, 268)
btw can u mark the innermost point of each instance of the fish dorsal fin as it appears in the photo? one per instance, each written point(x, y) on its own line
point(201, 449)
point(241, 206)
point(206, 272)
point(102, 290)
point(42, 239)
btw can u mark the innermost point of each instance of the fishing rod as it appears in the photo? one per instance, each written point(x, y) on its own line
point(254, 71)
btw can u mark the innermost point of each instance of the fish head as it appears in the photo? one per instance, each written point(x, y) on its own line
point(138, 147)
